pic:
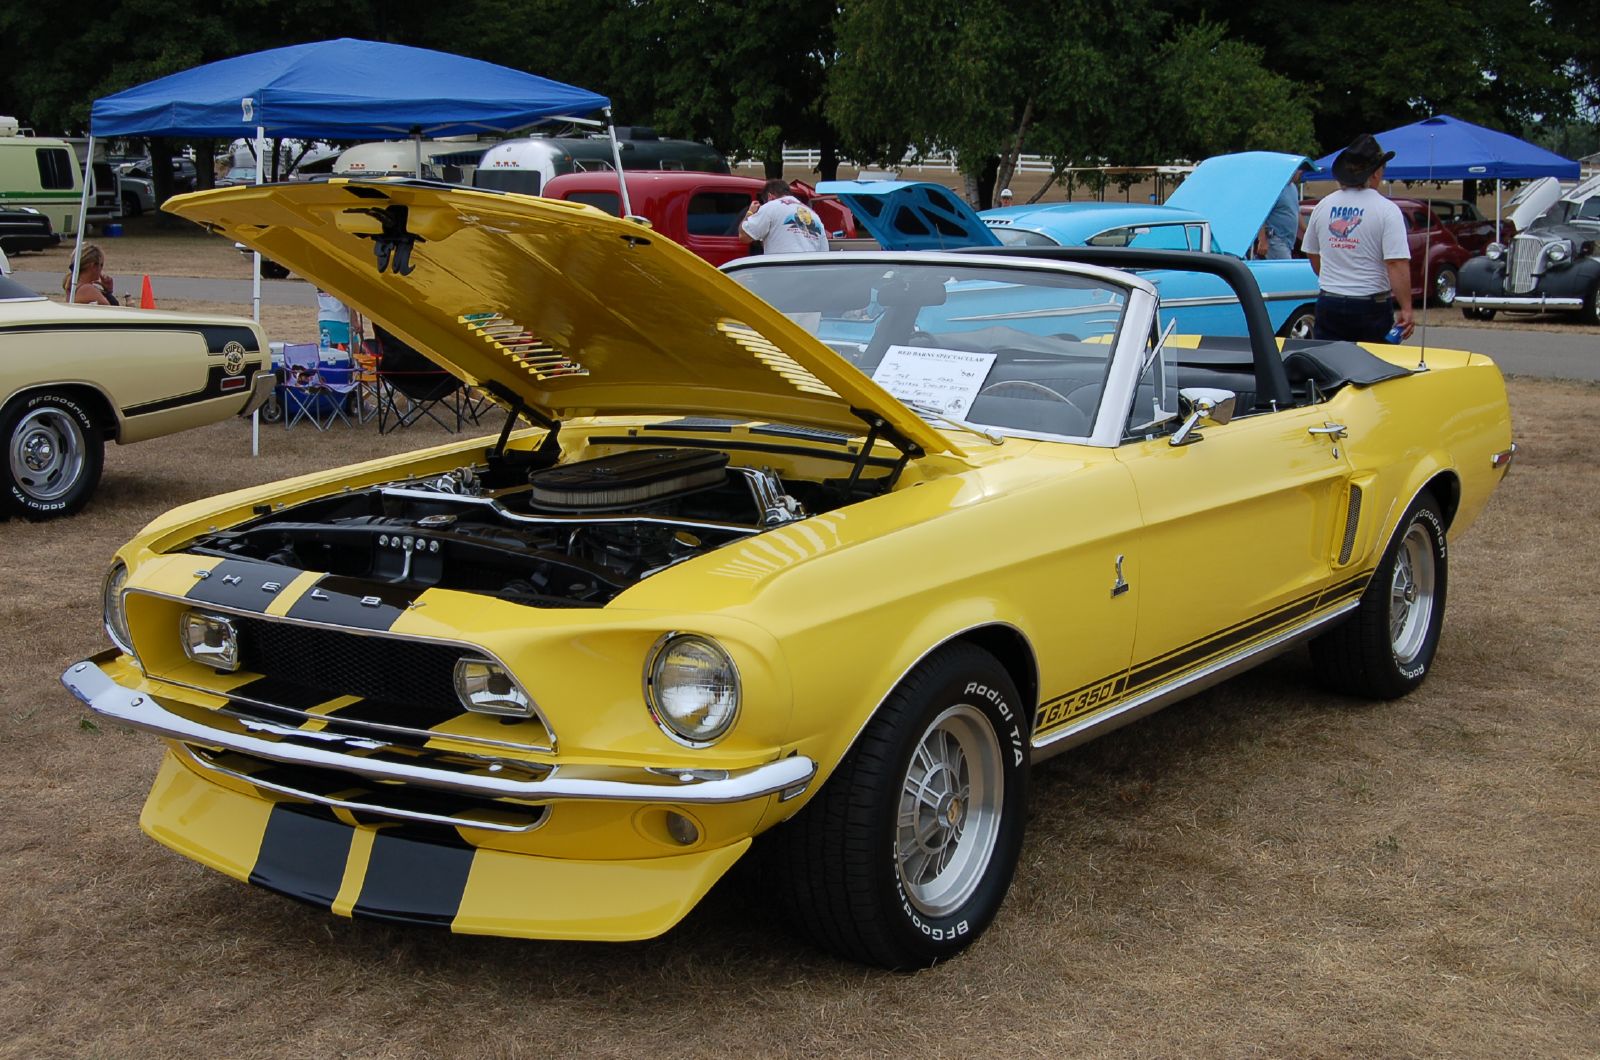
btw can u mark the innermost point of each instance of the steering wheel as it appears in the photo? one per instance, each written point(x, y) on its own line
point(1027, 387)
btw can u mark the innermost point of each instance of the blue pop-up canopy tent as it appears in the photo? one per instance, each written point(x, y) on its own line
point(340, 90)
point(1446, 148)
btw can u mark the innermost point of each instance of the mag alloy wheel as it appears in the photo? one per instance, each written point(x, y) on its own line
point(53, 455)
point(1411, 589)
point(951, 803)
point(1444, 286)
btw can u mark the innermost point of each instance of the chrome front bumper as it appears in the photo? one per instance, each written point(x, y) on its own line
point(1531, 303)
point(484, 777)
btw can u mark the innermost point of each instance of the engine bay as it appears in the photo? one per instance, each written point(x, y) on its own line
point(574, 534)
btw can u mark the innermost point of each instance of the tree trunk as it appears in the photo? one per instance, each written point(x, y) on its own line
point(1009, 161)
point(828, 167)
point(205, 166)
point(772, 164)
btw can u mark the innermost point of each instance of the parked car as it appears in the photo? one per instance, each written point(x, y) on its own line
point(728, 587)
point(1467, 223)
point(1553, 266)
point(528, 164)
point(1436, 256)
point(699, 210)
point(138, 194)
point(73, 377)
point(25, 228)
point(1219, 208)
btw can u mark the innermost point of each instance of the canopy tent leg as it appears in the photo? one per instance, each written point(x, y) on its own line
point(616, 157)
point(83, 214)
point(1496, 209)
point(255, 293)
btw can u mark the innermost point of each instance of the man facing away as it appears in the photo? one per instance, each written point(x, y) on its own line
point(782, 223)
point(1356, 240)
point(1283, 220)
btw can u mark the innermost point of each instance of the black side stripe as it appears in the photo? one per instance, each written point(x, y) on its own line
point(217, 385)
point(241, 584)
point(1113, 687)
point(354, 603)
point(216, 336)
point(414, 877)
point(303, 854)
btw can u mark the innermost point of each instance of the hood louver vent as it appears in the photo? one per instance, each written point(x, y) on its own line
point(750, 339)
point(540, 359)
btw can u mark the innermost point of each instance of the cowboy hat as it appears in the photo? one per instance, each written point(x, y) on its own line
point(1359, 161)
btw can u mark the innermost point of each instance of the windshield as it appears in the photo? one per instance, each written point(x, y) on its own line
point(1022, 350)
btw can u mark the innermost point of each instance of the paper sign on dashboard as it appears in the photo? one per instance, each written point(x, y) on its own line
point(944, 380)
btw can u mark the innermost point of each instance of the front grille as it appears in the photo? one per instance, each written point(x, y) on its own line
point(333, 663)
point(1524, 259)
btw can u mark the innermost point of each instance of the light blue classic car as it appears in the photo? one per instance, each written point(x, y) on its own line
point(1219, 208)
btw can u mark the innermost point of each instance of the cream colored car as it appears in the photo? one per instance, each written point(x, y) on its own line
point(75, 376)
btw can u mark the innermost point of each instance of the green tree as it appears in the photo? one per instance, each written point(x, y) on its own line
point(1215, 95)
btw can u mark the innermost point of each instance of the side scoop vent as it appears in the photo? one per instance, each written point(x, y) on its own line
point(1352, 520)
point(527, 351)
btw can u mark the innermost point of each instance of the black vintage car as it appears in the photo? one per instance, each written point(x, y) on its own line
point(24, 228)
point(1553, 266)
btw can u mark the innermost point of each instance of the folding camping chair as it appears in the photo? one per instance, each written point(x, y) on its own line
point(302, 384)
point(428, 390)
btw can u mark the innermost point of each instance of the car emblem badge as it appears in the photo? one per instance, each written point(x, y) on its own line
point(1119, 586)
point(271, 587)
point(318, 594)
point(233, 358)
point(371, 601)
point(231, 579)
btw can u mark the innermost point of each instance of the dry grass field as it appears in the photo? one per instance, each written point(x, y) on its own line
point(1264, 870)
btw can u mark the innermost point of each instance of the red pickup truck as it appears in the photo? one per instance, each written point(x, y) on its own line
point(702, 211)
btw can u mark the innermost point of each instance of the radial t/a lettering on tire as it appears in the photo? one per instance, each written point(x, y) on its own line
point(904, 856)
point(53, 455)
point(1385, 648)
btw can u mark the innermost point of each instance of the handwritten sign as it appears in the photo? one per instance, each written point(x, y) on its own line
point(944, 380)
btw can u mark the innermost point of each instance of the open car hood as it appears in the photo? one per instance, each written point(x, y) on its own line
point(1236, 192)
point(573, 311)
point(911, 215)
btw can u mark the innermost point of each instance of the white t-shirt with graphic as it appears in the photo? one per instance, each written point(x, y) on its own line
point(1356, 230)
point(786, 225)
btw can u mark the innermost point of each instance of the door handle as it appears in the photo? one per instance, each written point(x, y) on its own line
point(1332, 430)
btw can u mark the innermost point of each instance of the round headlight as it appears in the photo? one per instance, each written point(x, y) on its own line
point(116, 616)
point(1494, 251)
point(1559, 252)
point(692, 688)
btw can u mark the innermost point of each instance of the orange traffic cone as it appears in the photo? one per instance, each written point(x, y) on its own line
point(147, 298)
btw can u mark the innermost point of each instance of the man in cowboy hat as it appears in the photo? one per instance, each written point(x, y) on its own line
point(1356, 240)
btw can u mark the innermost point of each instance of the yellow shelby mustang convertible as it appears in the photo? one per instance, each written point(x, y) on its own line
point(820, 554)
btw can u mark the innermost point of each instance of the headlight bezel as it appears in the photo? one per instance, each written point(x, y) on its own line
point(1558, 253)
point(114, 608)
point(519, 703)
point(1494, 251)
point(654, 685)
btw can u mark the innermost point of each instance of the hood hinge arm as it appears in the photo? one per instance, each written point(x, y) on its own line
point(878, 426)
point(549, 449)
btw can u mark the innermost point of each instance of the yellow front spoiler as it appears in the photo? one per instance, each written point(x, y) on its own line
point(414, 875)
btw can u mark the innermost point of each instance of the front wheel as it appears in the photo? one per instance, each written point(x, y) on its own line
point(54, 455)
point(1591, 305)
point(130, 206)
point(1474, 313)
point(1444, 285)
point(904, 856)
point(1385, 648)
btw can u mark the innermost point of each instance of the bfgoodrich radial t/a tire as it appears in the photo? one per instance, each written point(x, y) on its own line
point(904, 856)
point(53, 455)
point(1386, 647)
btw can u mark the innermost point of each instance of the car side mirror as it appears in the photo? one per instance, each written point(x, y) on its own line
point(1202, 404)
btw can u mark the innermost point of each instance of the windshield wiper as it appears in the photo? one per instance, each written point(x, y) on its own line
point(929, 412)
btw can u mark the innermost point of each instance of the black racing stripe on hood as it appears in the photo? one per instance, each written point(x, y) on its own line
point(242, 584)
point(415, 876)
point(353, 603)
point(303, 854)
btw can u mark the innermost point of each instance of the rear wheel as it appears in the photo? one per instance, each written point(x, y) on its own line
point(1591, 305)
point(1300, 324)
point(1474, 313)
point(54, 455)
point(1444, 285)
point(904, 856)
point(130, 206)
point(1386, 647)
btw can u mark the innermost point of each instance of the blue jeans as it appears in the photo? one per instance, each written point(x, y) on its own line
point(1367, 318)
